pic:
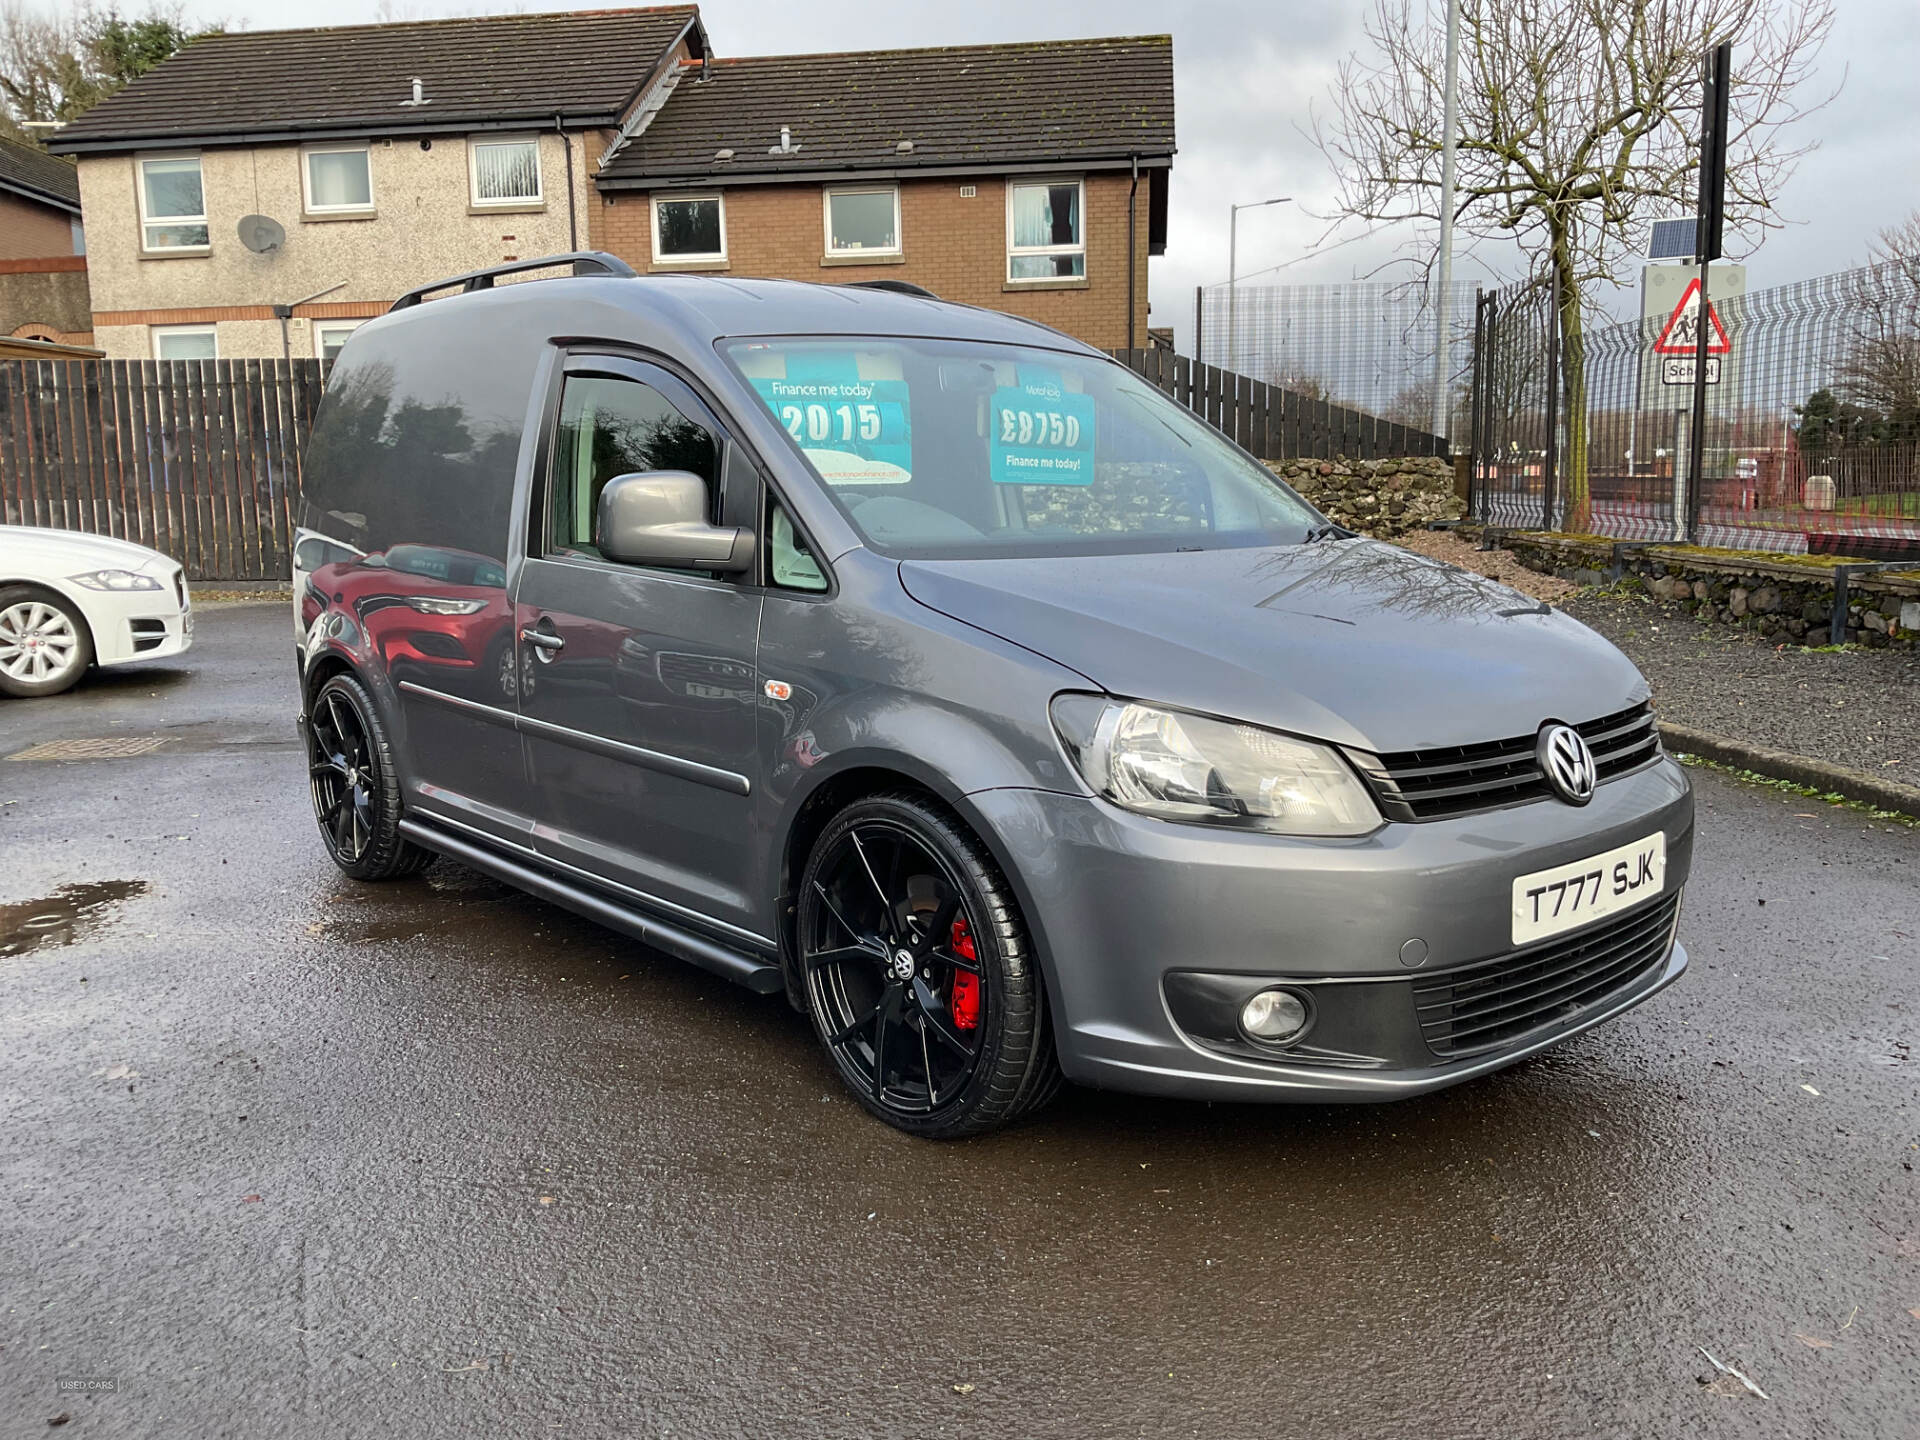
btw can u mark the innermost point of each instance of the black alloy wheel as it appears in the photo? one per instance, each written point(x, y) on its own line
point(355, 788)
point(918, 971)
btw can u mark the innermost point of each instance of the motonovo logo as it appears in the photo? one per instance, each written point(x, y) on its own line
point(1566, 762)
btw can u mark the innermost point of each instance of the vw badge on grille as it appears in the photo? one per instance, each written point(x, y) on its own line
point(1566, 762)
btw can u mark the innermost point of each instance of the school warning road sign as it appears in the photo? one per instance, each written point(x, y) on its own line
point(1681, 336)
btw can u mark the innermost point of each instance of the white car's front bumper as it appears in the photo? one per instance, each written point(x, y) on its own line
point(141, 624)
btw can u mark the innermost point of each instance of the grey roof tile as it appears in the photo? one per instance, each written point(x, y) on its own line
point(584, 65)
point(1057, 101)
point(23, 166)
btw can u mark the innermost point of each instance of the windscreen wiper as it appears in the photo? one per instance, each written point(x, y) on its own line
point(1328, 531)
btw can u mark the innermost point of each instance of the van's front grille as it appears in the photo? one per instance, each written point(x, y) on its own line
point(1480, 1007)
point(1443, 782)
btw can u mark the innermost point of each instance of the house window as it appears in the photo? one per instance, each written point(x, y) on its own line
point(863, 222)
point(1045, 239)
point(689, 227)
point(330, 335)
point(173, 206)
point(505, 172)
point(338, 180)
point(185, 342)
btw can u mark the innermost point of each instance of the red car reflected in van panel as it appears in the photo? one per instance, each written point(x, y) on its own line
point(426, 606)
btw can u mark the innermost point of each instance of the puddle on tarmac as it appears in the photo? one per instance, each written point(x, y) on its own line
point(71, 913)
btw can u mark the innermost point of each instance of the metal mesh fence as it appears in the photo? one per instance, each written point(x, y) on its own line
point(1812, 432)
point(1365, 345)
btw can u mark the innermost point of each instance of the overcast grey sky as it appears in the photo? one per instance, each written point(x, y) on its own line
point(1245, 74)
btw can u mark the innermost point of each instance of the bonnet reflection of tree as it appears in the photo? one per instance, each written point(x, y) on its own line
point(1392, 579)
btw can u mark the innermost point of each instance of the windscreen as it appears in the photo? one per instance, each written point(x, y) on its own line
point(949, 449)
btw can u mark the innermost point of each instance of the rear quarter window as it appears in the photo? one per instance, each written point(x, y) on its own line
point(418, 435)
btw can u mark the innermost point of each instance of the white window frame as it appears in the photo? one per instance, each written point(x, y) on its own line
point(826, 221)
point(1042, 182)
point(320, 327)
point(147, 222)
point(539, 196)
point(157, 331)
point(654, 202)
point(306, 178)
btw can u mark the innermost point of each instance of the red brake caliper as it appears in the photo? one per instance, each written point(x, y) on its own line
point(965, 1000)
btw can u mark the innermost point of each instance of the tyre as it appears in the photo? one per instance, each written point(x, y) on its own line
point(45, 646)
point(356, 790)
point(919, 972)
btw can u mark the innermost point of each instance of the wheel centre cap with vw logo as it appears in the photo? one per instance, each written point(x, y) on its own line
point(1566, 762)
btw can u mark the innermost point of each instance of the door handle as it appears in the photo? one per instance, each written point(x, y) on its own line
point(543, 640)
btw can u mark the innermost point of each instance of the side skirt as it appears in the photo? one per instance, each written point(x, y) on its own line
point(759, 976)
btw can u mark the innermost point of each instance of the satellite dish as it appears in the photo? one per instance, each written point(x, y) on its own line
point(261, 235)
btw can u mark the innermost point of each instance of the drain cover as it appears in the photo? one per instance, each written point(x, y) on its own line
point(107, 747)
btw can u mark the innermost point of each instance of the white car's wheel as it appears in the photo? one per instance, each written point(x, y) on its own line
point(45, 646)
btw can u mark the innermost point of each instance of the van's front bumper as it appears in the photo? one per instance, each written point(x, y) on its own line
point(1128, 911)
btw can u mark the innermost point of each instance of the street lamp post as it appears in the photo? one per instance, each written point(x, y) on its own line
point(1233, 259)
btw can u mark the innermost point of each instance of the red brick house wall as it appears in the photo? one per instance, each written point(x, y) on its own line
point(954, 246)
point(29, 231)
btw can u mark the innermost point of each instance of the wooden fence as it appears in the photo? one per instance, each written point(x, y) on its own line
point(1277, 424)
point(196, 458)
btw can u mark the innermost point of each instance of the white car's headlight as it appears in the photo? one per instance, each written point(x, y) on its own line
point(437, 605)
point(1179, 766)
point(116, 580)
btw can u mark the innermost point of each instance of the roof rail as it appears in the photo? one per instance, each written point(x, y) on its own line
point(898, 287)
point(584, 262)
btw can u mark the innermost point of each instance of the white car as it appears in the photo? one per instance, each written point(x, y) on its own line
point(69, 600)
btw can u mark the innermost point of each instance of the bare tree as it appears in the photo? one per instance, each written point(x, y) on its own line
point(1881, 371)
point(1578, 122)
point(39, 63)
point(56, 64)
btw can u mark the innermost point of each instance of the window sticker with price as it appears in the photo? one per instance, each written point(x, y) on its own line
point(854, 431)
point(1041, 433)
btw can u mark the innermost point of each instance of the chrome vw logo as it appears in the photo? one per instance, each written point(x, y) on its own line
point(1566, 762)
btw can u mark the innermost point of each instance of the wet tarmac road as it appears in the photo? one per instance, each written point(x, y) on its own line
point(291, 1156)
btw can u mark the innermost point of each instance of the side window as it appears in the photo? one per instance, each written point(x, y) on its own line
point(612, 427)
point(794, 568)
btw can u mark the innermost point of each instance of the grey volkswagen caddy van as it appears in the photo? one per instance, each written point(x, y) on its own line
point(937, 671)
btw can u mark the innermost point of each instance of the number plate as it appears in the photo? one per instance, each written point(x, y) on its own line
point(1551, 902)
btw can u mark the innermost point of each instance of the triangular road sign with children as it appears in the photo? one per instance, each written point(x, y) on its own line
point(1682, 333)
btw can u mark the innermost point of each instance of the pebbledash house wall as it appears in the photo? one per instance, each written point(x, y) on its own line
point(423, 227)
point(954, 245)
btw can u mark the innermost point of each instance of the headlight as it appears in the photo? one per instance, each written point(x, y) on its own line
point(1178, 766)
point(433, 605)
point(116, 580)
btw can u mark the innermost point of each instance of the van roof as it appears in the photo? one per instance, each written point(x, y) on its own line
point(700, 309)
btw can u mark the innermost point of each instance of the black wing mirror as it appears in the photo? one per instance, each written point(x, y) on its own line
point(659, 517)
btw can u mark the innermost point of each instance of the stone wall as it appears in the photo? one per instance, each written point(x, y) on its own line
point(1784, 597)
point(1382, 498)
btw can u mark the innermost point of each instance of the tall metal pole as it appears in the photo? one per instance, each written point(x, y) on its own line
point(1442, 300)
point(1233, 262)
point(1715, 91)
point(1552, 460)
point(1233, 268)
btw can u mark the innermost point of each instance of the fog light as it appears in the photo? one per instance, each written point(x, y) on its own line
point(1274, 1016)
